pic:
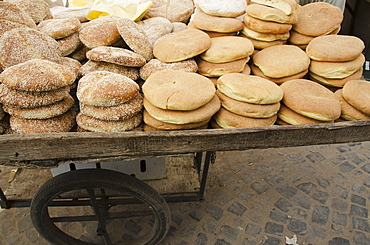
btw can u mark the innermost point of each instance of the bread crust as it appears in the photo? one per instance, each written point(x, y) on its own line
point(293, 118)
point(266, 26)
point(184, 117)
point(59, 28)
point(91, 66)
point(357, 94)
point(349, 112)
point(268, 13)
point(181, 45)
point(37, 75)
point(249, 88)
point(210, 69)
point(227, 119)
point(311, 99)
point(281, 60)
point(119, 56)
point(287, 6)
point(231, 8)
point(257, 71)
point(102, 88)
point(178, 90)
point(336, 82)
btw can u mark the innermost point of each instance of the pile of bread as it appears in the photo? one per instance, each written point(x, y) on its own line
point(186, 65)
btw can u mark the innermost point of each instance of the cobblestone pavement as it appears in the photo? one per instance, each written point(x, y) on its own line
point(320, 194)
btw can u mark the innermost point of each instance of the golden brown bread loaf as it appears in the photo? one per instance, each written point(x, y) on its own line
point(103, 88)
point(173, 10)
point(156, 27)
point(178, 90)
point(119, 56)
point(62, 123)
point(118, 112)
point(357, 94)
point(266, 26)
point(227, 119)
point(38, 10)
point(200, 114)
point(287, 6)
point(249, 88)
point(155, 65)
point(210, 69)
point(37, 75)
point(293, 118)
point(318, 18)
point(59, 28)
point(42, 112)
point(336, 82)
point(23, 43)
point(28, 99)
point(349, 112)
point(97, 125)
point(311, 99)
point(135, 38)
point(267, 13)
point(231, 8)
point(91, 66)
point(257, 71)
point(181, 45)
point(69, 44)
point(281, 61)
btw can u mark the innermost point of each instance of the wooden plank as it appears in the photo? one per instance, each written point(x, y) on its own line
point(73, 145)
point(181, 177)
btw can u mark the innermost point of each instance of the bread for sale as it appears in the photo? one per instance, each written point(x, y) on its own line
point(38, 10)
point(100, 32)
point(335, 48)
point(41, 112)
point(247, 109)
point(178, 90)
point(28, 99)
point(264, 26)
point(311, 99)
point(154, 65)
point(59, 28)
point(178, 26)
point(257, 71)
point(339, 82)
point(249, 88)
point(208, 22)
point(118, 112)
point(357, 94)
point(337, 70)
point(297, 38)
point(69, 44)
point(103, 88)
point(91, 66)
point(264, 36)
point(156, 27)
point(135, 38)
point(318, 18)
point(97, 125)
point(259, 44)
point(287, 6)
point(61, 123)
point(293, 118)
point(119, 56)
point(80, 53)
point(212, 33)
point(174, 10)
point(227, 119)
point(37, 75)
point(281, 61)
point(12, 16)
point(267, 13)
point(23, 43)
point(160, 125)
point(75, 65)
point(210, 69)
point(231, 8)
point(349, 112)
point(200, 114)
point(227, 49)
point(182, 45)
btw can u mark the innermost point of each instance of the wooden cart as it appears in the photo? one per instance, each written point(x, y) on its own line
point(102, 195)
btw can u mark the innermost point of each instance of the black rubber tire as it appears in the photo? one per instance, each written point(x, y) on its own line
point(99, 179)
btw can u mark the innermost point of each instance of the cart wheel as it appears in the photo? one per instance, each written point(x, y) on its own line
point(97, 206)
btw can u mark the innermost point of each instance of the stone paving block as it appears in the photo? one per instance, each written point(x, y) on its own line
point(273, 228)
point(230, 233)
point(283, 204)
point(340, 191)
point(358, 199)
point(237, 209)
point(320, 214)
point(320, 196)
point(252, 230)
point(315, 157)
point(339, 218)
point(323, 182)
point(302, 201)
point(214, 211)
point(260, 186)
point(297, 227)
point(361, 239)
point(300, 213)
point(339, 241)
point(201, 239)
point(271, 241)
point(360, 224)
point(287, 191)
point(339, 204)
point(279, 217)
point(359, 211)
point(307, 188)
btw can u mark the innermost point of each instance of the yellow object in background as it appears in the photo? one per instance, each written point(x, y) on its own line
point(131, 9)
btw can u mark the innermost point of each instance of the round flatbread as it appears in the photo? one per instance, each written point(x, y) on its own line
point(119, 56)
point(178, 90)
point(349, 112)
point(357, 94)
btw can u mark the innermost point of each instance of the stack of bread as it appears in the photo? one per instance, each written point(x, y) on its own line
point(315, 19)
point(38, 10)
point(247, 101)
point(307, 102)
point(227, 54)
point(267, 23)
point(64, 31)
point(36, 95)
point(109, 102)
point(218, 18)
point(332, 64)
point(280, 63)
point(354, 99)
point(178, 100)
